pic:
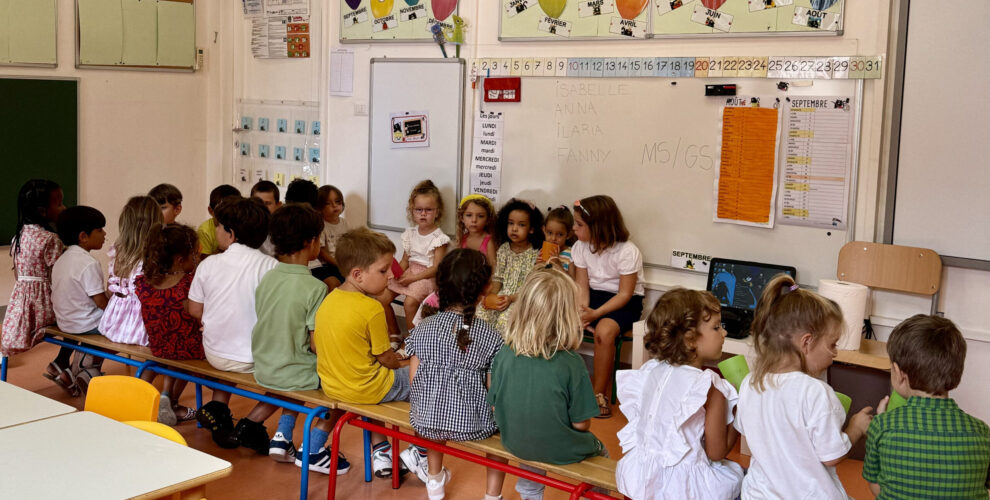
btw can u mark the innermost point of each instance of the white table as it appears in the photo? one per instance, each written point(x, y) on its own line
point(84, 455)
point(19, 406)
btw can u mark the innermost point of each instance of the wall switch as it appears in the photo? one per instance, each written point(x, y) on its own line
point(200, 59)
point(360, 109)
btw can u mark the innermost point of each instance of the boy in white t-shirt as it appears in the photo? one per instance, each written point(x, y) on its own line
point(222, 296)
point(78, 288)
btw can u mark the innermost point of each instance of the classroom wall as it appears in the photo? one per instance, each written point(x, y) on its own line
point(136, 129)
point(965, 292)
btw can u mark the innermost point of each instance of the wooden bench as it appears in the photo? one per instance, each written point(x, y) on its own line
point(200, 372)
point(592, 472)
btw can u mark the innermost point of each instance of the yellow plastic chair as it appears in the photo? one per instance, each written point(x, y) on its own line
point(158, 429)
point(123, 398)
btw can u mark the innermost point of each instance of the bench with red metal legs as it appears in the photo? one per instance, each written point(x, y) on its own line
point(595, 472)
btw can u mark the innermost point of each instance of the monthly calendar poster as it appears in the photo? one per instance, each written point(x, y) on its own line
point(816, 161)
point(574, 19)
point(701, 17)
point(394, 20)
point(745, 180)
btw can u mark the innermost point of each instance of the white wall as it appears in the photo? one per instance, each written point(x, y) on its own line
point(136, 129)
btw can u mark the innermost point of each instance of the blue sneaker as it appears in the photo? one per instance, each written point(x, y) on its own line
point(281, 449)
point(320, 462)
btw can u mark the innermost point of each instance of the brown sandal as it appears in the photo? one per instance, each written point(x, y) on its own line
point(604, 410)
point(62, 377)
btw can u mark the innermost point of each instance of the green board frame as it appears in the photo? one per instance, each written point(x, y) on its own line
point(39, 138)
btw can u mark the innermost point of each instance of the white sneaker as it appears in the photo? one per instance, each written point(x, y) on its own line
point(381, 462)
point(435, 487)
point(415, 463)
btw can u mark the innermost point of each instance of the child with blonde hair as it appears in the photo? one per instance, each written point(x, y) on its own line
point(680, 414)
point(540, 390)
point(792, 420)
point(476, 225)
point(609, 274)
point(122, 321)
point(423, 247)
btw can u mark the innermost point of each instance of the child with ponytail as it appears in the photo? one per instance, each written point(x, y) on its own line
point(170, 259)
point(791, 418)
point(451, 356)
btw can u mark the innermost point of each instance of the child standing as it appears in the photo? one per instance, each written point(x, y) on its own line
point(222, 295)
point(354, 360)
point(558, 229)
point(680, 414)
point(207, 231)
point(170, 259)
point(518, 250)
point(267, 192)
point(929, 447)
point(286, 303)
point(78, 291)
point(330, 204)
point(791, 419)
point(35, 249)
point(609, 275)
point(450, 358)
point(170, 199)
point(540, 389)
point(122, 322)
point(423, 247)
point(476, 224)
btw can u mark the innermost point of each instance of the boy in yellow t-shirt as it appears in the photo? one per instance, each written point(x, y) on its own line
point(353, 356)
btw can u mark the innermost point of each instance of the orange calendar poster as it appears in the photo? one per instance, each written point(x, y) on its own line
point(745, 185)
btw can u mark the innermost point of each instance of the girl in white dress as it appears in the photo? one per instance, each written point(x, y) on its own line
point(680, 414)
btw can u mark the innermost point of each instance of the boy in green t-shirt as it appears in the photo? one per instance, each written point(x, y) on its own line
point(928, 448)
point(354, 359)
point(286, 301)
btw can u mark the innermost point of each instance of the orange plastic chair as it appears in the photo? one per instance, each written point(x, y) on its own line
point(158, 429)
point(123, 398)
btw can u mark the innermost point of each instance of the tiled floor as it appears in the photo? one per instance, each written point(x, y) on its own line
point(257, 477)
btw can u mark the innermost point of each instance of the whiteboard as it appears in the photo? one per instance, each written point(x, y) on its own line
point(942, 169)
point(434, 86)
point(652, 145)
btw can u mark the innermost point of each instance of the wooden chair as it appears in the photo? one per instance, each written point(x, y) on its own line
point(123, 398)
point(892, 267)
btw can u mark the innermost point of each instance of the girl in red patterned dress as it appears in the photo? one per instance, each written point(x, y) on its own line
point(35, 249)
point(169, 262)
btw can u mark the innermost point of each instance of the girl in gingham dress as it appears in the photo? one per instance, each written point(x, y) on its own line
point(451, 355)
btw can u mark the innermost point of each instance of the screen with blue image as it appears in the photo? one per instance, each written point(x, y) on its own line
point(739, 284)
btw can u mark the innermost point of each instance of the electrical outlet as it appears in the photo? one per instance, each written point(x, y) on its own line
point(360, 109)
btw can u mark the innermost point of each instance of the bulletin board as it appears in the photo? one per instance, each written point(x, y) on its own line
point(398, 155)
point(393, 20)
point(526, 20)
point(652, 145)
point(939, 178)
point(38, 139)
point(28, 32)
point(136, 34)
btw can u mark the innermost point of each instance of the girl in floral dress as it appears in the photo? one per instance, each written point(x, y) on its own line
point(35, 249)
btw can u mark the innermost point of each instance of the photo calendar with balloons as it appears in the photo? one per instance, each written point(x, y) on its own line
point(625, 19)
point(395, 20)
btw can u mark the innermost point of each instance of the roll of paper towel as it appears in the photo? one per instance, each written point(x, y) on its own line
point(852, 298)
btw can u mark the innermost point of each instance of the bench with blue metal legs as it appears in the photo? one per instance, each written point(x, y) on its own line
point(201, 373)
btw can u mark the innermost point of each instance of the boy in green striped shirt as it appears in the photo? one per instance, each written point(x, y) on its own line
point(928, 448)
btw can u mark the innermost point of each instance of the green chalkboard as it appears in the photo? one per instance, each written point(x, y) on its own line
point(38, 139)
